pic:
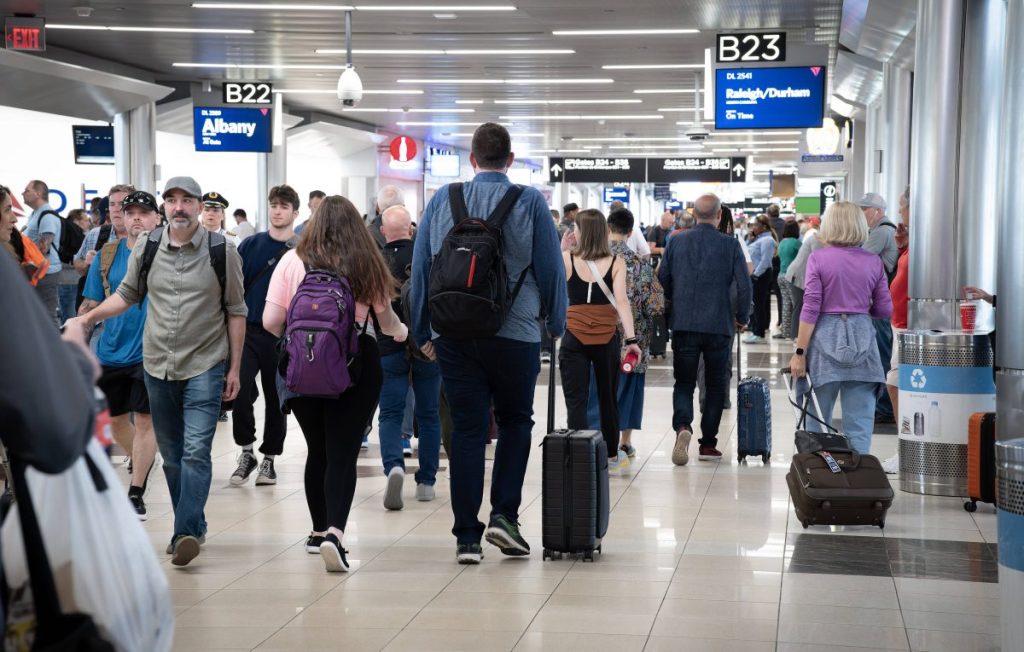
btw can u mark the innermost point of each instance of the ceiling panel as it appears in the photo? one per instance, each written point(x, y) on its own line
point(291, 38)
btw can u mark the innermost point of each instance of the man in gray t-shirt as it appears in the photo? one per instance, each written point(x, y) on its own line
point(881, 232)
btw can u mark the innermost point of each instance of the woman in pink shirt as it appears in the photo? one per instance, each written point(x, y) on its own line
point(844, 288)
point(336, 240)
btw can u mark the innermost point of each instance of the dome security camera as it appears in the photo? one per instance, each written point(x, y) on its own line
point(350, 87)
point(83, 10)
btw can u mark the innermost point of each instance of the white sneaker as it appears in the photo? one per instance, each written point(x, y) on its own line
point(753, 339)
point(393, 492)
point(424, 493)
point(619, 462)
point(892, 465)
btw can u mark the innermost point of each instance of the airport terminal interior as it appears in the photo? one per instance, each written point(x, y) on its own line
point(790, 113)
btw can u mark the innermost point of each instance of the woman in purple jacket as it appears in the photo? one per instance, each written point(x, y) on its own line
point(845, 287)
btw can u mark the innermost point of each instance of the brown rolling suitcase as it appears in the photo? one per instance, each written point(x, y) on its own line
point(839, 488)
point(981, 460)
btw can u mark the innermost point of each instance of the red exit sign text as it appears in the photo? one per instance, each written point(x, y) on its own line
point(25, 34)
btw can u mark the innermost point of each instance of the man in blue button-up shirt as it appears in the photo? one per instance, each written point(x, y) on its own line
point(697, 270)
point(500, 370)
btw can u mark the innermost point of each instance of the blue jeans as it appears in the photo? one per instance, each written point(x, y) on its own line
point(67, 297)
point(185, 418)
point(687, 349)
point(858, 400)
point(477, 372)
point(426, 384)
point(409, 414)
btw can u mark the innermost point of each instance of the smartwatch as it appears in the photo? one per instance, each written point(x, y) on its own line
point(799, 352)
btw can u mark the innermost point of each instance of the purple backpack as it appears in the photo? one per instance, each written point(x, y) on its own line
point(320, 338)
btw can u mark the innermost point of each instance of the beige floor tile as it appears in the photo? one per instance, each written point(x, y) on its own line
point(596, 615)
point(349, 639)
point(474, 583)
point(611, 588)
point(479, 611)
point(185, 598)
point(263, 581)
point(888, 638)
point(936, 641)
point(694, 609)
point(952, 622)
point(828, 597)
point(686, 644)
point(840, 615)
point(564, 642)
point(711, 590)
point(241, 615)
point(670, 624)
point(219, 637)
point(949, 604)
point(453, 640)
point(947, 588)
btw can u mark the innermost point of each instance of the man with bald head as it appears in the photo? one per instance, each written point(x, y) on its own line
point(697, 269)
point(405, 366)
point(387, 196)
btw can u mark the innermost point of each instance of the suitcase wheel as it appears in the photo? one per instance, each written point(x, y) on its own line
point(588, 556)
point(741, 458)
point(971, 506)
point(805, 524)
point(881, 525)
point(548, 554)
point(765, 458)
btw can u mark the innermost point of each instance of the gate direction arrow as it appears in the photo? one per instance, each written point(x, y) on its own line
point(556, 170)
point(738, 169)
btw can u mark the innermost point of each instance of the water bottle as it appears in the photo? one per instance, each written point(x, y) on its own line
point(629, 362)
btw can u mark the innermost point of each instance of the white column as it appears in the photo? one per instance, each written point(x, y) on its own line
point(135, 147)
point(896, 93)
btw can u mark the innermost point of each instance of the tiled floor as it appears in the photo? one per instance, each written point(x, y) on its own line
point(706, 557)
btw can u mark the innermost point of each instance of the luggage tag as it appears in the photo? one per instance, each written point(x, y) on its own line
point(104, 433)
point(833, 465)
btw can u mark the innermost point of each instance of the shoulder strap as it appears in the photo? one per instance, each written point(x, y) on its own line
point(104, 236)
point(501, 211)
point(107, 255)
point(600, 281)
point(457, 200)
point(148, 254)
point(219, 260)
point(44, 591)
point(288, 246)
point(888, 224)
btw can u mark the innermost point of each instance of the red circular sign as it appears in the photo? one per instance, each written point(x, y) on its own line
point(403, 149)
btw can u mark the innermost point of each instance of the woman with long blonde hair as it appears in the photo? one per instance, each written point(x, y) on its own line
point(336, 240)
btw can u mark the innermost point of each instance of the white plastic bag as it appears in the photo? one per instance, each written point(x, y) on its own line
point(102, 561)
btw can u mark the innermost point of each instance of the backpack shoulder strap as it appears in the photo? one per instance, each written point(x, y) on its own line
point(104, 236)
point(272, 263)
point(219, 260)
point(501, 211)
point(457, 200)
point(148, 254)
point(107, 254)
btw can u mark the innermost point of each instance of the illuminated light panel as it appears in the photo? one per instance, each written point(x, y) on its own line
point(169, 30)
point(581, 117)
point(280, 6)
point(623, 32)
point(513, 82)
point(383, 110)
point(263, 66)
point(654, 66)
point(452, 52)
point(334, 91)
point(555, 102)
point(444, 124)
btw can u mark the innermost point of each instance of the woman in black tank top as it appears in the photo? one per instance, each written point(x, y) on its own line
point(591, 338)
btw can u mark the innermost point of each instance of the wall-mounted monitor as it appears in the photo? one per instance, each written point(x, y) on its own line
point(94, 144)
point(770, 98)
point(233, 129)
point(444, 165)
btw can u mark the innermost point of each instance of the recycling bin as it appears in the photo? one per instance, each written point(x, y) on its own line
point(1010, 503)
point(945, 377)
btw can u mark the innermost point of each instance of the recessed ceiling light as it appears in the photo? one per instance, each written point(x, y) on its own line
point(469, 134)
point(271, 6)
point(665, 91)
point(545, 102)
point(641, 145)
point(445, 16)
point(264, 66)
point(435, 8)
point(622, 32)
point(504, 52)
point(582, 117)
point(169, 30)
point(383, 110)
point(583, 150)
point(653, 66)
point(333, 91)
point(755, 150)
point(513, 82)
point(748, 134)
point(443, 124)
point(469, 101)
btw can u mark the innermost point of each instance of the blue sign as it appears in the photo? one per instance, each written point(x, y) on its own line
point(673, 205)
point(616, 194)
point(769, 98)
point(232, 129)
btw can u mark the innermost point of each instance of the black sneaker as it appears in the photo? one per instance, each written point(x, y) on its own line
point(223, 417)
point(246, 465)
point(170, 546)
point(138, 504)
point(313, 543)
point(184, 550)
point(267, 475)
point(333, 555)
point(469, 553)
point(504, 534)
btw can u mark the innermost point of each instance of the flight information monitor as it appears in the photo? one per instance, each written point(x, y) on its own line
point(94, 144)
point(232, 129)
point(769, 98)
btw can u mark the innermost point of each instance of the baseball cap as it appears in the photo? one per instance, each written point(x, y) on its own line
point(143, 199)
point(872, 200)
point(186, 184)
point(215, 199)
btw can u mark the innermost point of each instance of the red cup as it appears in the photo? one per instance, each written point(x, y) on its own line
point(629, 363)
point(968, 315)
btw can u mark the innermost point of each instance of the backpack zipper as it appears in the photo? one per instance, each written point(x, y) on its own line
point(472, 271)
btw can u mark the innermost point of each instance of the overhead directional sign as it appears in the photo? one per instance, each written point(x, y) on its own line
point(721, 169)
point(751, 46)
point(248, 93)
point(597, 170)
point(662, 192)
point(769, 98)
point(232, 129)
point(616, 193)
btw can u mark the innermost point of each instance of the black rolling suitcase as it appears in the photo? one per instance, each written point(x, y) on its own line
point(659, 336)
point(574, 486)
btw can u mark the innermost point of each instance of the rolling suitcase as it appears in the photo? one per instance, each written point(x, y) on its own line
point(981, 460)
point(833, 488)
point(575, 494)
point(754, 422)
point(808, 441)
point(659, 336)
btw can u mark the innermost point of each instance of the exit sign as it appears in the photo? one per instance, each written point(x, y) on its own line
point(25, 34)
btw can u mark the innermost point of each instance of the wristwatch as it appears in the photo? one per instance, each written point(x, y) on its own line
point(799, 352)
point(631, 340)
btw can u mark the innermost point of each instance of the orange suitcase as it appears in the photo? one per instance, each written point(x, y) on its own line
point(981, 460)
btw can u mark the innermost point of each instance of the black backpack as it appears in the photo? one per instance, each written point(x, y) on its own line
point(890, 274)
point(218, 260)
point(469, 295)
point(71, 238)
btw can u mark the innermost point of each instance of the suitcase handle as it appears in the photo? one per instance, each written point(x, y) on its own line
point(803, 411)
point(551, 384)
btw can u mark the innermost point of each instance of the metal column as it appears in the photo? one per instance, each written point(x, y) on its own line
point(135, 147)
point(272, 167)
point(896, 93)
point(933, 169)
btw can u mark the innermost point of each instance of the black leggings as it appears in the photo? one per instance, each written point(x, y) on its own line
point(333, 428)
point(761, 321)
point(576, 360)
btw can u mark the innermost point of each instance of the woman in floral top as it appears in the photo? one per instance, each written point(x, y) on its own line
point(647, 300)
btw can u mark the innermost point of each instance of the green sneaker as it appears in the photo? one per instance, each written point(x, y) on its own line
point(504, 534)
point(468, 553)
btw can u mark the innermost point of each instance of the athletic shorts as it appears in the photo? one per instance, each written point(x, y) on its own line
point(125, 390)
point(893, 377)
